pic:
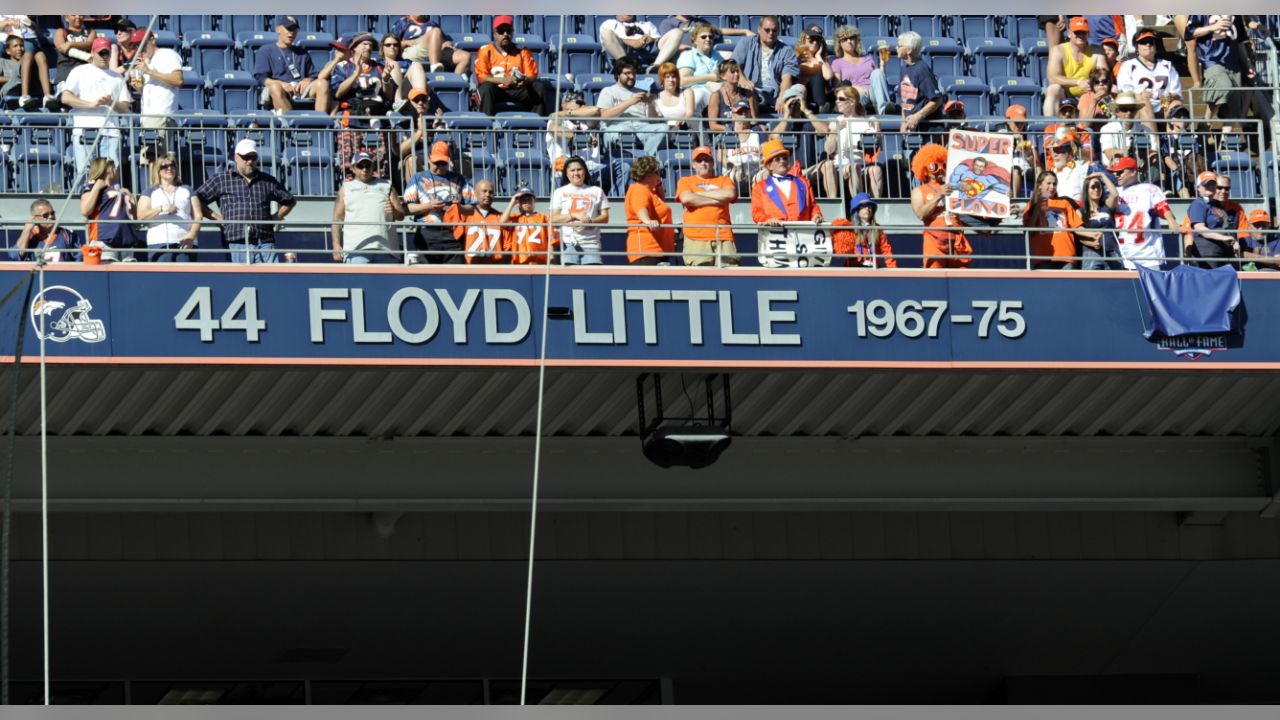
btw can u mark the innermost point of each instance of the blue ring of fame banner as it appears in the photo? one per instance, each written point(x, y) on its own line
point(683, 317)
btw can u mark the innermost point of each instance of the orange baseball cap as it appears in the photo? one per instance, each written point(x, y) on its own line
point(1206, 177)
point(773, 149)
point(702, 150)
point(1079, 24)
point(1144, 35)
point(1016, 112)
point(1259, 216)
point(440, 152)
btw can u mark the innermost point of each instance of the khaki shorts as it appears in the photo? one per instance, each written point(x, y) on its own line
point(703, 252)
point(1217, 91)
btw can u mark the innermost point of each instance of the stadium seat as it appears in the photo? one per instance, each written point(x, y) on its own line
point(536, 45)
point(471, 129)
point(579, 54)
point(191, 94)
point(993, 57)
point(929, 26)
point(263, 127)
point(471, 42)
point(232, 92)
point(1238, 166)
point(796, 24)
point(591, 85)
point(317, 46)
point(972, 91)
point(38, 154)
point(484, 165)
point(520, 131)
point(210, 51)
point(1023, 28)
point(247, 44)
point(339, 25)
point(1015, 90)
point(525, 166)
point(969, 28)
point(167, 39)
point(235, 25)
point(675, 165)
point(202, 146)
point(944, 55)
point(727, 44)
point(893, 70)
point(871, 25)
point(308, 129)
point(563, 82)
point(1035, 59)
point(310, 171)
point(186, 26)
point(453, 89)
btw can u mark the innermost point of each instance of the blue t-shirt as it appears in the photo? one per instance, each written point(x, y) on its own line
point(1268, 245)
point(1213, 50)
point(1213, 216)
point(1101, 27)
point(919, 85)
point(289, 64)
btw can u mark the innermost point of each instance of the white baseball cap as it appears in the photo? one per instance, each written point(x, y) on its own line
point(247, 146)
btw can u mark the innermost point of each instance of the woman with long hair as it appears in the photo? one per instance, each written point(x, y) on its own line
point(104, 203)
point(843, 146)
point(815, 68)
point(1097, 213)
point(1053, 246)
point(578, 208)
point(731, 93)
point(169, 203)
point(675, 103)
point(866, 245)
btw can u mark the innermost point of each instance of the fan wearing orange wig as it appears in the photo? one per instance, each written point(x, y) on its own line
point(928, 200)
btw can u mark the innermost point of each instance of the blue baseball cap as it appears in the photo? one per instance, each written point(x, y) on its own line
point(523, 189)
point(361, 157)
point(288, 21)
point(860, 200)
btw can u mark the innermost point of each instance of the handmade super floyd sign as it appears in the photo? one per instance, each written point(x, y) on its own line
point(979, 168)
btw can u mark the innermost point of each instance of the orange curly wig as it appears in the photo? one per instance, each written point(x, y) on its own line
point(926, 156)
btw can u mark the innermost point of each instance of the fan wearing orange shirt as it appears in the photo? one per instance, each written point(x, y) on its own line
point(706, 198)
point(507, 72)
point(651, 240)
point(941, 248)
point(1053, 249)
point(524, 231)
point(477, 228)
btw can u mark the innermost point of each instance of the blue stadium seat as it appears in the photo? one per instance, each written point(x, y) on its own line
point(591, 85)
point(564, 82)
point(527, 166)
point(232, 92)
point(484, 165)
point(1239, 166)
point(944, 55)
point(974, 27)
point(993, 57)
point(191, 94)
point(38, 154)
point(308, 129)
point(1035, 59)
point(520, 131)
point(453, 89)
point(202, 147)
point(471, 130)
point(188, 25)
point(972, 91)
point(471, 42)
point(580, 54)
point(929, 26)
point(210, 51)
point(347, 24)
point(1023, 28)
point(247, 44)
point(167, 39)
point(796, 24)
point(675, 165)
point(536, 45)
point(871, 25)
point(263, 127)
point(317, 46)
point(893, 70)
point(234, 25)
point(382, 24)
point(1015, 90)
point(310, 171)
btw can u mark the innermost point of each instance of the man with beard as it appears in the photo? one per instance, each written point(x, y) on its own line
point(244, 196)
point(507, 72)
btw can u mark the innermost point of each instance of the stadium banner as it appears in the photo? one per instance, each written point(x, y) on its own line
point(295, 314)
point(980, 168)
point(794, 245)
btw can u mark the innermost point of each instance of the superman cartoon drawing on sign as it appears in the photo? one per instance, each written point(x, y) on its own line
point(976, 177)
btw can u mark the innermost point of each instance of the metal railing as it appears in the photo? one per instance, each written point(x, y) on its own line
point(310, 152)
point(1006, 246)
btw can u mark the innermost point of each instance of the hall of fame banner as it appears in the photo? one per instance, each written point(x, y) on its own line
point(980, 168)
point(795, 245)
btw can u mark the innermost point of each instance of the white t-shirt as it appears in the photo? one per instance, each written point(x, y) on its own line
point(587, 199)
point(1135, 77)
point(173, 226)
point(849, 140)
point(747, 155)
point(160, 98)
point(1071, 180)
point(619, 28)
point(1115, 135)
point(1138, 208)
point(89, 82)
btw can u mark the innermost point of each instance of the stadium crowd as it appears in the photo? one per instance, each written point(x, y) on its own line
point(698, 111)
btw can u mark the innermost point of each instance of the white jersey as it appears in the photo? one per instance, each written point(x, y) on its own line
point(1139, 207)
point(1161, 79)
point(588, 199)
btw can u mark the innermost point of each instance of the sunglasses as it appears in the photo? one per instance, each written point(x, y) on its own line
point(168, 166)
point(105, 54)
point(363, 165)
point(249, 158)
point(391, 44)
point(1223, 188)
point(1061, 150)
point(46, 216)
point(504, 30)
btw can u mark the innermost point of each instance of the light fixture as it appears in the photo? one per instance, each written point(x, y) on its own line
point(693, 442)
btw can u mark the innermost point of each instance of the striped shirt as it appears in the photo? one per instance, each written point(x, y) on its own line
point(240, 200)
